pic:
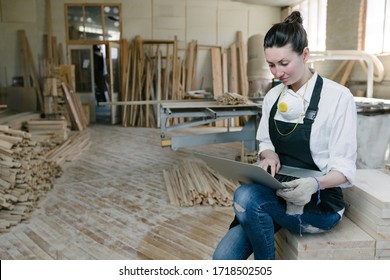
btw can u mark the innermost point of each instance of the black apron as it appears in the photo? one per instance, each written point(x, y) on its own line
point(294, 150)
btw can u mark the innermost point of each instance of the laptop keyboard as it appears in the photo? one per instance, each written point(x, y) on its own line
point(284, 178)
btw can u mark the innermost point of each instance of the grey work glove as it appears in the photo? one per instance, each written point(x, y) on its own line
point(292, 209)
point(297, 194)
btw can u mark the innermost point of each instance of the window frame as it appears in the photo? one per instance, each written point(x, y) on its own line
point(377, 28)
point(85, 40)
point(314, 21)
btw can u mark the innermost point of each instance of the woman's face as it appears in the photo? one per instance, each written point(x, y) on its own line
point(286, 65)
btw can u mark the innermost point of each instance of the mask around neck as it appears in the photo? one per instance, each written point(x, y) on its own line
point(290, 105)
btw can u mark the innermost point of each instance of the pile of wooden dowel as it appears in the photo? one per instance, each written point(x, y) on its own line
point(191, 182)
point(25, 175)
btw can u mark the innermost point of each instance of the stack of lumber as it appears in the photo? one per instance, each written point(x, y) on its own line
point(25, 176)
point(46, 130)
point(153, 70)
point(363, 232)
point(346, 241)
point(54, 103)
point(368, 206)
point(191, 182)
point(70, 149)
point(53, 95)
point(17, 120)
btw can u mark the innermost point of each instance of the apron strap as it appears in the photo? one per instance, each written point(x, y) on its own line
point(312, 110)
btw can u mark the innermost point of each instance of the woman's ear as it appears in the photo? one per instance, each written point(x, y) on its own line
point(306, 54)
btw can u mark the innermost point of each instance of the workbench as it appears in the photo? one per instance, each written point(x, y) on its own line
point(200, 112)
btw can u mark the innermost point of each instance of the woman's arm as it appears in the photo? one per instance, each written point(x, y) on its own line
point(332, 179)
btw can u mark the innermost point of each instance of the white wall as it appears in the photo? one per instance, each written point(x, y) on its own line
point(210, 22)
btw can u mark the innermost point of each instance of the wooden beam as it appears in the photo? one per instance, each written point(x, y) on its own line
point(49, 32)
point(233, 87)
point(225, 87)
point(190, 64)
point(216, 71)
point(347, 73)
point(242, 65)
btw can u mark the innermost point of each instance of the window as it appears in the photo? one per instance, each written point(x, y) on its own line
point(93, 22)
point(377, 37)
point(314, 21)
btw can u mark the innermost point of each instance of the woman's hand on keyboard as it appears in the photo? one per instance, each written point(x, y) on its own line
point(269, 161)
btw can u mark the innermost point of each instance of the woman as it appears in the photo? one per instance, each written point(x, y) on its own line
point(309, 122)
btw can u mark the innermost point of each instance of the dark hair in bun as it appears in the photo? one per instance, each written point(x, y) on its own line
point(290, 31)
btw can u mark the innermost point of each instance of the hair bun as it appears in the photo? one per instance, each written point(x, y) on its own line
point(294, 17)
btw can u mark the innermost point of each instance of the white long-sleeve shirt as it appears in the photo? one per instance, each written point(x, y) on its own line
point(333, 143)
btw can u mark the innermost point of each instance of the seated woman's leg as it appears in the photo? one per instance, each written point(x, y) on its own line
point(233, 246)
point(252, 205)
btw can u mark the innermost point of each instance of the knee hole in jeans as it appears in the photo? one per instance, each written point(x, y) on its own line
point(238, 207)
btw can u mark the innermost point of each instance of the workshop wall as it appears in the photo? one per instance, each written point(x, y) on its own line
point(211, 22)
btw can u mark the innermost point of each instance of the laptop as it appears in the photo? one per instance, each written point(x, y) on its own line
point(250, 173)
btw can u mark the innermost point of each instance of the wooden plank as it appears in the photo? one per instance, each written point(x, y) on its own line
point(147, 91)
point(175, 94)
point(190, 64)
point(159, 85)
point(373, 185)
point(225, 87)
point(49, 32)
point(243, 79)
point(167, 73)
point(233, 87)
point(124, 76)
point(73, 111)
point(55, 50)
point(30, 62)
point(347, 73)
point(216, 71)
point(194, 103)
point(338, 70)
point(346, 236)
point(26, 66)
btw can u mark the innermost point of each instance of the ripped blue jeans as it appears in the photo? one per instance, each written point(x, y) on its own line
point(261, 213)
